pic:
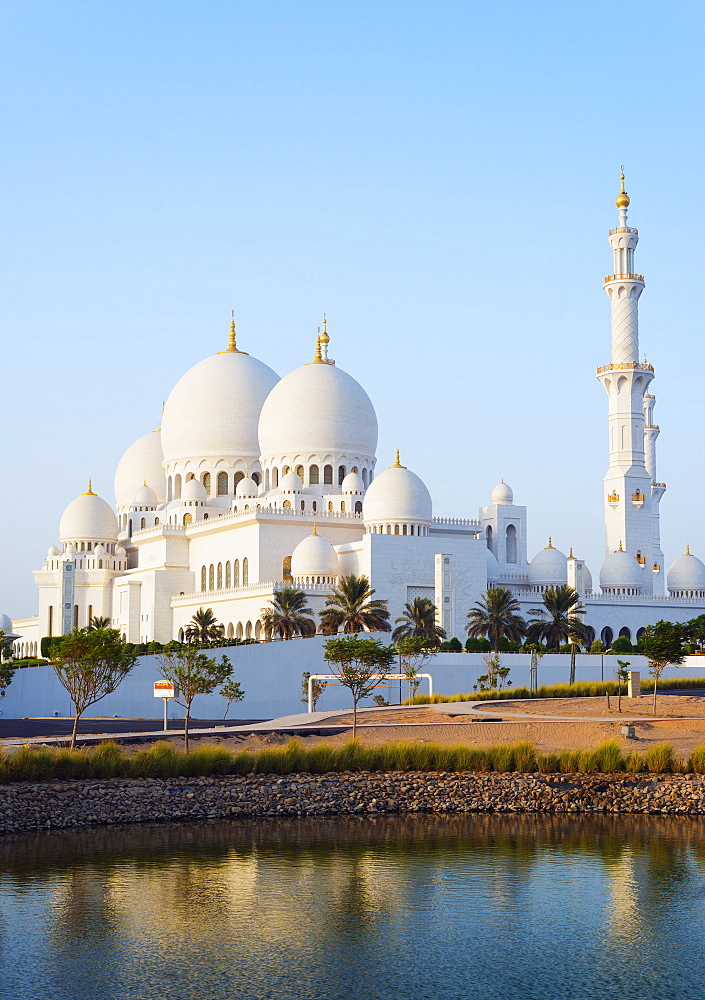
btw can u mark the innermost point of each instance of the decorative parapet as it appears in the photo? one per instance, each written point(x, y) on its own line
point(642, 366)
point(613, 497)
point(638, 498)
point(624, 277)
point(249, 590)
point(460, 521)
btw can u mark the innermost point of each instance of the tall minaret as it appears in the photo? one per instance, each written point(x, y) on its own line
point(631, 508)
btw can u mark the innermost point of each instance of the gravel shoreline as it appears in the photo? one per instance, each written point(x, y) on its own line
point(27, 806)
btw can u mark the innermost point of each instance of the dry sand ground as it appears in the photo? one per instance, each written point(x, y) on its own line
point(684, 727)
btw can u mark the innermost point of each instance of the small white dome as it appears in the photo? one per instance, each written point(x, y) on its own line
point(314, 556)
point(142, 461)
point(290, 481)
point(318, 409)
point(397, 494)
point(587, 579)
point(53, 552)
point(621, 571)
point(120, 552)
point(213, 410)
point(549, 568)
point(88, 518)
point(492, 567)
point(193, 490)
point(6, 624)
point(502, 493)
point(686, 574)
point(145, 497)
point(99, 550)
point(353, 483)
point(70, 552)
point(247, 488)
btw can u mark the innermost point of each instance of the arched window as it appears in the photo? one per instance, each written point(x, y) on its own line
point(100, 563)
point(239, 630)
point(285, 469)
point(403, 529)
point(211, 577)
point(156, 521)
point(275, 478)
point(342, 506)
point(181, 635)
point(511, 542)
point(412, 529)
point(188, 519)
point(169, 489)
point(206, 480)
point(124, 521)
point(266, 480)
point(625, 633)
point(341, 474)
point(75, 616)
point(327, 475)
point(286, 569)
point(314, 506)
point(83, 546)
point(222, 484)
point(228, 576)
point(177, 487)
point(143, 523)
point(300, 472)
point(287, 505)
point(203, 577)
point(220, 576)
point(364, 478)
point(389, 529)
point(50, 621)
point(303, 506)
point(607, 635)
point(236, 573)
point(89, 546)
point(258, 629)
point(396, 529)
point(639, 633)
point(245, 572)
point(488, 535)
point(90, 614)
point(205, 517)
point(230, 630)
point(590, 634)
point(313, 475)
point(248, 630)
point(129, 528)
point(330, 506)
point(358, 506)
point(255, 478)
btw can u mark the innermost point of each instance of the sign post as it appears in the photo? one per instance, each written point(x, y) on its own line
point(165, 690)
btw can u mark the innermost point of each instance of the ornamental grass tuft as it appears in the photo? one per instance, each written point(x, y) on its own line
point(660, 758)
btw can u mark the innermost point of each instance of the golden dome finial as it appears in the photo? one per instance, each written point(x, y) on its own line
point(89, 492)
point(144, 482)
point(325, 339)
point(621, 547)
point(315, 530)
point(570, 554)
point(232, 347)
point(687, 551)
point(397, 463)
point(318, 356)
point(622, 197)
point(550, 543)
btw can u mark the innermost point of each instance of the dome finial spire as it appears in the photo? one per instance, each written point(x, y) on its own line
point(622, 197)
point(315, 529)
point(397, 463)
point(89, 492)
point(687, 551)
point(324, 340)
point(318, 357)
point(550, 543)
point(232, 347)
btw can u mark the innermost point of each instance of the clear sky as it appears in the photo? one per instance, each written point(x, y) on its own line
point(438, 176)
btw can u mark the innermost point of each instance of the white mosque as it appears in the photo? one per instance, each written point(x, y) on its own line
point(254, 479)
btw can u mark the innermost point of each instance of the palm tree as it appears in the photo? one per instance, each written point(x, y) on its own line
point(558, 621)
point(419, 620)
point(351, 606)
point(495, 616)
point(287, 614)
point(98, 621)
point(204, 627)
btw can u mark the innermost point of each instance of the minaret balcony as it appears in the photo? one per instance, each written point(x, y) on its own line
point(638, 498)
point(613, 498)
point(651, 427)
point(624, 277)
point(641, 560)
point(623, 229)
point(642, 366)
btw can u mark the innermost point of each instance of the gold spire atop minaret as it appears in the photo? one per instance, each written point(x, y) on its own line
point(325, 339)
point(622, 197)
point(232, 347)
point(89, 492)
point(397, 463)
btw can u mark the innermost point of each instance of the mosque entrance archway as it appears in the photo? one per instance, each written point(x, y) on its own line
point(607, 635)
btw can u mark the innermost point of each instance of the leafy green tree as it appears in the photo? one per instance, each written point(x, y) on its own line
point(317, 689)
point(288, 614)
point(90, 665)
point(204, 627)
point(351, 607)
point(478, 645)
point(98, 621)
point(360, 665)
point(453, 645)
point(622, 645)
point(232, 692)
point(194, 673)
point(596, 646)
point(662, 644)
point(495, 617)
point(7, 668)
point(622, 673)
point(414, 653)
point(419, 621)
point(695, 631)
point(559, 620)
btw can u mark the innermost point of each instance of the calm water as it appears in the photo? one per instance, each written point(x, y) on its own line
point(487, 907)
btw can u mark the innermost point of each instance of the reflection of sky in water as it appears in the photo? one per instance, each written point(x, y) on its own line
point(491, 907)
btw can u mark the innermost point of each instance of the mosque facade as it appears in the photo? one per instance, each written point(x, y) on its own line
point(255, 480)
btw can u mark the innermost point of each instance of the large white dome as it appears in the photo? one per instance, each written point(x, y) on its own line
point(549, 568)
point(88, 518)
point(319, 410)
point(686, 575)
point(314, 557)
point(620, 571)
point(142, 462)
point(397, 495)
point(213, 410)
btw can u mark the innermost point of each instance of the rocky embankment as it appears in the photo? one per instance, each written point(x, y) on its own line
point(58, 805)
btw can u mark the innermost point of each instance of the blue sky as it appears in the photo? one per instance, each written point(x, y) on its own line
point(438, 177)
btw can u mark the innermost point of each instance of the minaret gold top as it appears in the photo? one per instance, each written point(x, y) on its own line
point(232, 347)
point(397, 463)
point(89, 492)
point(622, 197)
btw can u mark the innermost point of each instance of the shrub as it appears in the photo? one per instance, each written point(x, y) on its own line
point(478, 645)
point(622, 645)
point(634, 763)
point(608, 757)
point(569, 761)
point(597, 647)
point(161, 760)
point(452, 646)
point(524, 757)
point(660, 758)
point(697, 759)
point(107, 761)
